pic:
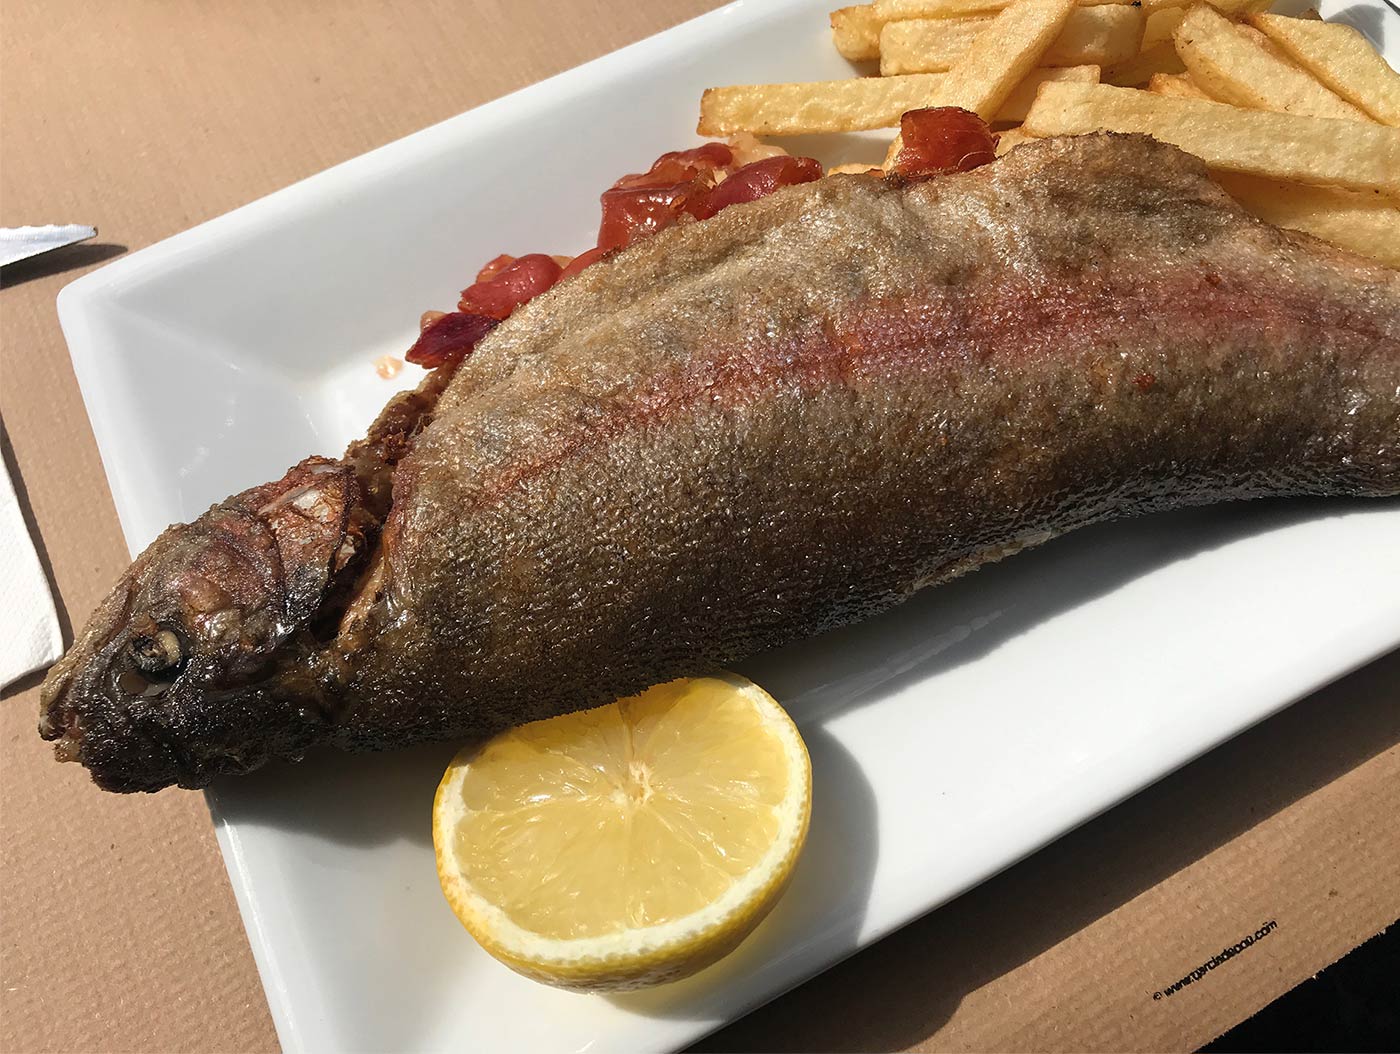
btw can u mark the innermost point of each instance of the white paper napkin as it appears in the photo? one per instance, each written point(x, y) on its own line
point(29, 634)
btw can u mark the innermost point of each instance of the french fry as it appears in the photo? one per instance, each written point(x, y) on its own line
point(856, 32)
point(1002, 55)
point(1340, 58)
point(1363, 221)
point(1179, 85)
point(899, 10)
point(1018, 103)
point(1097, 36)
point(1159, 59)
point(1316, 150)
point(1160, 27)
point(1233, 8)
point(816, 106)
point(927, 45)
point(996, 61)
point(1093, 36)
point(1254, 36)
point(840, 106)
point(1235, 69)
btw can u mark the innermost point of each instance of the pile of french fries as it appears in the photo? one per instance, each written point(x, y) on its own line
point(1298, 119)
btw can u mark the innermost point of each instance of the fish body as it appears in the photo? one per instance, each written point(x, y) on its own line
point(750, 430)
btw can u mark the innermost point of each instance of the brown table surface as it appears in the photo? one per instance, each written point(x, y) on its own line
point(119, 930)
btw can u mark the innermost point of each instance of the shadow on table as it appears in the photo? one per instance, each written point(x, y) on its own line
point(919, 975)
point(56, 261)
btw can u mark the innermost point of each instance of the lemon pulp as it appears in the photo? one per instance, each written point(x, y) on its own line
point(630, 844)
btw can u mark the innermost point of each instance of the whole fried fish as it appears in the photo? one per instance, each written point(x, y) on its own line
point(743, 432)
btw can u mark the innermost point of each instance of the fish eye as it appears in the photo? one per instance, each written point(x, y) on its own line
point(157, 654)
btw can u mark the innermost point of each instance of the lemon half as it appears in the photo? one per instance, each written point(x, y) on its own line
point(629, 845)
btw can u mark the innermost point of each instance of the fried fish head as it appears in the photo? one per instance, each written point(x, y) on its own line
point(211, 654)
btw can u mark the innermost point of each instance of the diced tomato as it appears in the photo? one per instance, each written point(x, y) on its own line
point(520, 280)
point(943, 139)
point(632, 214)
point(679, 186)
point(449, 338)
point(754, 181)
point(646, 202)
point(582, 260)
point(495, 267)
point(702, 157)
point(679, 166)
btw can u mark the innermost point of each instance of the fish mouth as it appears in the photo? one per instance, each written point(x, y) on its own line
point(181, 732)
point(155, 656)
point(145, 704)
point(58, 722)
point(59, 719)
point(82, 712)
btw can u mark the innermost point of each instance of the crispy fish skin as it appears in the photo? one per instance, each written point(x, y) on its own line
point(797, 414)
point(828, 402)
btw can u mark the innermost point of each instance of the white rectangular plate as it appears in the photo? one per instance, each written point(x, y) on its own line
point(949, 738)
